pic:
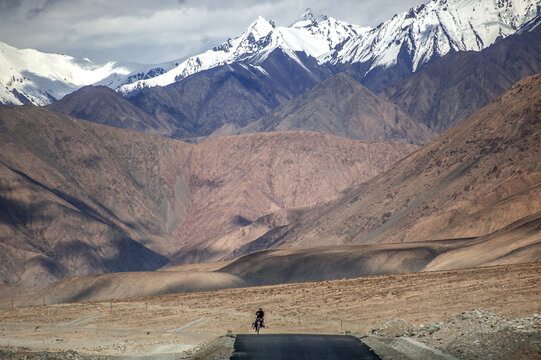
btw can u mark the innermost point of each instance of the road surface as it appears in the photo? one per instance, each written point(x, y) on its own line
point(291, 346)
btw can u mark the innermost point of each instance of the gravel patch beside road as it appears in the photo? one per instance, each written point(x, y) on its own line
point(475, 334)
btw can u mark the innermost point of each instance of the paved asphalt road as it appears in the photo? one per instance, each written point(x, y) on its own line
point(291, 346)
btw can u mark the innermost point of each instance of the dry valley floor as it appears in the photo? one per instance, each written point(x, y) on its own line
point(175, 324)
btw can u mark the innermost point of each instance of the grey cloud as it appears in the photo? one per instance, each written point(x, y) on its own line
point(162, 30)
point(48, 5)
point(7, 7)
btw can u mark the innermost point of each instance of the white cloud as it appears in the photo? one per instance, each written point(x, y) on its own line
point(161, 30)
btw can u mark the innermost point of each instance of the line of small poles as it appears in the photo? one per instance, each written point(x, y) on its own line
point(44, 304)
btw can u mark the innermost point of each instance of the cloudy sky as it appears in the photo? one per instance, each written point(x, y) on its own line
point(153, 31)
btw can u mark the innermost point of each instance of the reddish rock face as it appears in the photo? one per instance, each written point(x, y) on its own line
point(234, 181)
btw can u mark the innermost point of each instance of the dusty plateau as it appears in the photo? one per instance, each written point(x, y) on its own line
point(177, 326)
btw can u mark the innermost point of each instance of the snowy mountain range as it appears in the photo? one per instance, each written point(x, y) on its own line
point(315, 35)
point(31, 76)
point(426, 32)
point(40, 78)
point(422, 34)
point(432, 30)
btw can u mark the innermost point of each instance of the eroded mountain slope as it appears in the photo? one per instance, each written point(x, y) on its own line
point(477, 179)
point(81, 198)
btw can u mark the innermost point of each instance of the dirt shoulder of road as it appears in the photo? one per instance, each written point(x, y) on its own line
point(180, 324)
point(220, 348)
point(469, 335)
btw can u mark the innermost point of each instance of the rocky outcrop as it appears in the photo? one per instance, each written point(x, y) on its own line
point(470, 334)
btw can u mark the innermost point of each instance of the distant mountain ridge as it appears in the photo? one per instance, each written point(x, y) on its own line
point(29, 76)
point(342, 106)
point(433, 29)
point(233, 94)
point(241, 97)
point(418, 36)
point(103, 105)
point(405, 43)
point(313, 35)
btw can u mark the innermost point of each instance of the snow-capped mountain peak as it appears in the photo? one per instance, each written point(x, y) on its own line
point(309, 18)
point(315, 35)
point(32, 76)
point(431, 30)
point(329, 31)
point(260, 27)
point(28, 75)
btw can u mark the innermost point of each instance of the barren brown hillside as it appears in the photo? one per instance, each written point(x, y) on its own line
point(81, 198)
point(237, 180)
point(480, 179)
point(342, 106)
